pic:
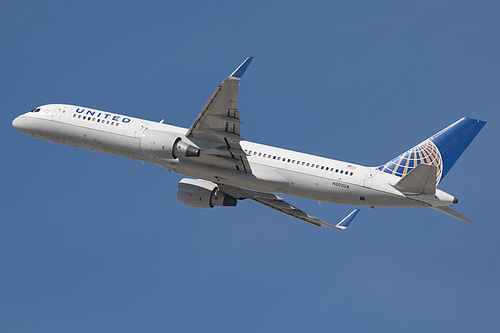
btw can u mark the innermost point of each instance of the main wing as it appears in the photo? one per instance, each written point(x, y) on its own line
point(216, 131)
point(273, 201)
point(217, 128)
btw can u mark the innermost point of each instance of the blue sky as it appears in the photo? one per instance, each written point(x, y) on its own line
point(97, 243)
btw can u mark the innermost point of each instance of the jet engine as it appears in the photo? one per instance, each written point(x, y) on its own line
point(203, 194)
point(165, 145)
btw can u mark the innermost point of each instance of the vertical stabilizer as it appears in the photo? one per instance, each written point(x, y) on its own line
point(441, 150)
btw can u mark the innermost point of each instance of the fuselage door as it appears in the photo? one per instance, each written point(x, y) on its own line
point(370, 176)
point(58, 111)
point(140, 129)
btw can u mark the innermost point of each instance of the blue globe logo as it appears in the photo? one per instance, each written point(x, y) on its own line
point(426, 153)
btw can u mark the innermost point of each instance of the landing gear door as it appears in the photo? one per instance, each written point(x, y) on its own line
point(370, 176)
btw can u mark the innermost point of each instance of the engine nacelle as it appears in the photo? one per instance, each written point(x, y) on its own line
point(165, 145)
point(202, 194)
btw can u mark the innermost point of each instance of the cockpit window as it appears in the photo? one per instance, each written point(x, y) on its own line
point(36, 110)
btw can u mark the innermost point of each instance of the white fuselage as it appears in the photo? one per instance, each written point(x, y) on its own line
point(273, 169)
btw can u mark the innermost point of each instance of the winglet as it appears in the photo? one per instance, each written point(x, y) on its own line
point(238, 73)
point(348, 219)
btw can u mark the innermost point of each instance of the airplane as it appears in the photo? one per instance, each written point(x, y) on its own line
point(223, 167)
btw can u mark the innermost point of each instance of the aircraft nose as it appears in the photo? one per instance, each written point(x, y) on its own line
point(22, 124)
point(17, 123)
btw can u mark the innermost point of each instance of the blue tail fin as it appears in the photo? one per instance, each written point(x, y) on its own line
point(442, 149)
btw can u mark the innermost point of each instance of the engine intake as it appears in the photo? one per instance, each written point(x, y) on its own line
point(165, 145)
point(203, 194)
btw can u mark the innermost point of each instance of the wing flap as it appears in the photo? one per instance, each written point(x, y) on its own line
point(223, 134)
point(223, 150)
point(227, 119)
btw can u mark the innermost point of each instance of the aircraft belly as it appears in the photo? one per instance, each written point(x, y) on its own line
point(92, 139)
point(345, 191)
point(318, 188)
point(323, 189)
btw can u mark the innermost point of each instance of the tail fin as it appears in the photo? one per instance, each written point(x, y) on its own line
point(441, 150)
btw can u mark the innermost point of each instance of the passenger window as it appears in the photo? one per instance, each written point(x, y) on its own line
point(322, 167)
point(260, 154)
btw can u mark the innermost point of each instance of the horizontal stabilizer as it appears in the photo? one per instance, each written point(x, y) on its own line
point(421, 180)
point(448, 211)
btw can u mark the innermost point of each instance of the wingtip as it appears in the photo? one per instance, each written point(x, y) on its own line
point(238, 73)
point(347, 220)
